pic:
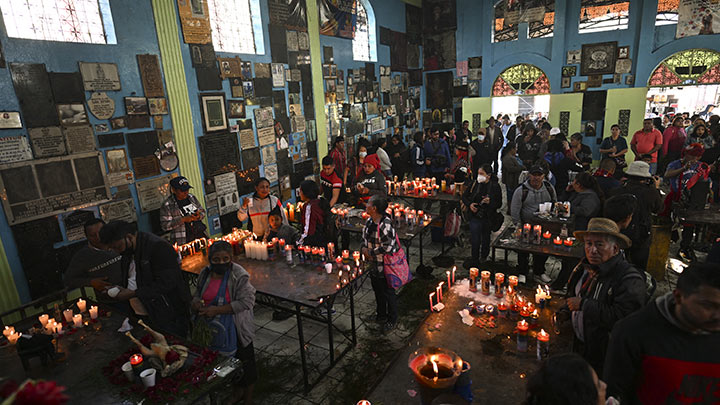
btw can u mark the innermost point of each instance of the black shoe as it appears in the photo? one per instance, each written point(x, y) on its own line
point(381, 319)
point(281, 315)
point(388, 326)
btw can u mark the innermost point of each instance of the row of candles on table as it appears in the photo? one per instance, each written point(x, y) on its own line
point(399, 212)
point(201, 245)
point(51, 325)
point(424, 187)
point(535, 235)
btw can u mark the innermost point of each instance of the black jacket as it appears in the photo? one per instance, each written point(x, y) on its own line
point(475, 194)
point(529, 151)
point(618, 291)
point(160, 285)
point(483, 153)
point(652, 359)
point(649, 201)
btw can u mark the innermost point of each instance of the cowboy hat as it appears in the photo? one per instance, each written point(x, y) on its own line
point(604, 226)
point(638, 168)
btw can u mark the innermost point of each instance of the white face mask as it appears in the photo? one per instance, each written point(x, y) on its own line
point(362, 154)
point(481, 178)
point(481, 137)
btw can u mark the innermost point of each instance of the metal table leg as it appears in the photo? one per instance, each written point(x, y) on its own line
point(352, 319)
point(301, 337)
point(330, 331)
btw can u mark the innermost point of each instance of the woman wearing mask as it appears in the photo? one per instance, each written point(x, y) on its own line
point(480, 150)
point(258, 206)
point(357, 161)
point(512, 167)
point(585, 198)
point(225, 296)
point(480, 202)
point(312, 215)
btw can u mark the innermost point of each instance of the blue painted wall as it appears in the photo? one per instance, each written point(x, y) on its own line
point(135, 31)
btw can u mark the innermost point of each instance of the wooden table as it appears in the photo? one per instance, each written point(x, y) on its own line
point(292, 288)
point(507, 241)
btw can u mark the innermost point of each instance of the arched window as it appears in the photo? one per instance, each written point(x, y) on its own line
point(236, 26)
point(521, 79)
point(603, 15)
point(364, 44)
point(694, 66)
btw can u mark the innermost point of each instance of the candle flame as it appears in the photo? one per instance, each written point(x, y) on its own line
point(460, 364)
point(535, 313)
point(433, 360)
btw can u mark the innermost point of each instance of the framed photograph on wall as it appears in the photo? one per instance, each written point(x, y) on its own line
point(565, 82)
point(136, 105)
point(236, 109)
point(569, 71)
point(213, 111)
point(623, 52)
point(598, 59)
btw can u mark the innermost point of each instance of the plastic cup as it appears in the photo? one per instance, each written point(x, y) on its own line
point(128, 371)
point(148, 377)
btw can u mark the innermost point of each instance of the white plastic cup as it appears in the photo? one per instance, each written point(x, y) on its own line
point(328, 268)
point(148, 377)
point(128, 371)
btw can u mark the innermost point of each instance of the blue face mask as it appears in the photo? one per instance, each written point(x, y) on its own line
point(220, 268)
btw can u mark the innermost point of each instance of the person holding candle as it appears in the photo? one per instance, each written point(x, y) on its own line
point(94, 265)
point(371, 181)
point(152, 279)
point(603, 289)
point(669, 349)
point(481, 201)
point(226, 297)
point(313, 215)
point(181, 214)
point(332, 185)
point(380, 239)
point(280, 229)
point(525, 202)
point(566, 379)
point(258, 206)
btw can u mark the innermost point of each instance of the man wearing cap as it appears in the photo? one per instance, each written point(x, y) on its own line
point(181, 214)
point(603, 289)
point(647, 140)
point(646, 190)
point(526, 201)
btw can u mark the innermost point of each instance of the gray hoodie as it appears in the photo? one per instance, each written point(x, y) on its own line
point(522, 211)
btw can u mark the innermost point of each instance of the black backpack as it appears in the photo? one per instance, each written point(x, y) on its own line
point(548, 187)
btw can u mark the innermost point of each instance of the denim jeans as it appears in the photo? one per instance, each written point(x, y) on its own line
point(385, 298)
point(479, 238)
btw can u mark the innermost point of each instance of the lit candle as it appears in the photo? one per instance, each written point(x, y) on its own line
point(502, 310)
point(93, 312)
point(439, 289)
point(288, 255)
point(546, 237)
point(356, 257)
point(136, 360)
point(473, 278)
point(13, 337)
point(448, 276)
point(485, 282)
point(540, 297)
point(512, 287)
point(68, 314)
point(82, 305)
point(526, 232)
point(453, 274)
point(8, 331)
point(522, 338)
point(537, 234)
point(58, 328)
point(534, 318)
point(431, 300)
point(543, 345)
point(43, 319)
point(547, 294)
point(50, 326)
point(77, 321)
point(499, 280)
point(331, 250)
point(557, 241)
point(569, 242)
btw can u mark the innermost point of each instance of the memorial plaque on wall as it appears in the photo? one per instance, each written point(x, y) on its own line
point(208, 78)
point(123, 210)
point(268, 155)
point(34, 241)
point(202, 55)
point(251, 158)
point(79, 138)
point(75, 224)
point(137, 121)
point(153, 192)
point(32, 88)
point(142, 143)
point(14, 149)
point(146, 166)
point(67, 88)
point(109, 140)
point(266, 136)
point(247, 138)
point(278, 44)
point(150, 74)
point(195, 21)
point(264, 117)
point(99, 76)
point(45, 187)
point(101, 106)
point(219, 153)
point(47, 142)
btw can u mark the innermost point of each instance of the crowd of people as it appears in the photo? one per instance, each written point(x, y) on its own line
point(641, 347)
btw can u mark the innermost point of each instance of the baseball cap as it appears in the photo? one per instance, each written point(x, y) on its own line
point(537, 169)
point(180, 183)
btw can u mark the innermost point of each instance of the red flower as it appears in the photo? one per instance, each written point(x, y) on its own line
point(146, 340)
point(41, 392)
point(171, 357)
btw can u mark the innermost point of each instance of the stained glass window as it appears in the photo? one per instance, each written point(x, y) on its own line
point(540, 18)
point(521, 79)
point(603, 15)
point(667, 12)
point(235, 26)
point(84, 21)
point(502, 30)
point(364, 42)
point(694, 66)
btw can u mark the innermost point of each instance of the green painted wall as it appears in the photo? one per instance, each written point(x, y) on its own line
point(571, 102)
point(632, 99)
point(317, 77)
point(482, 105)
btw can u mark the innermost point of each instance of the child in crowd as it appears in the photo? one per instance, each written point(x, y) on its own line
point(281, 230)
